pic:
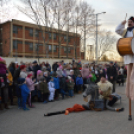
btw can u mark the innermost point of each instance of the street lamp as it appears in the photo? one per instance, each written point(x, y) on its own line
point(97, 34)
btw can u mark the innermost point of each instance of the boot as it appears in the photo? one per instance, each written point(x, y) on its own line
point(6, 106)
point(1, 108)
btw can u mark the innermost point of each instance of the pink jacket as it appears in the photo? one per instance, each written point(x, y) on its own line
point(85, 72)
point(30, 84)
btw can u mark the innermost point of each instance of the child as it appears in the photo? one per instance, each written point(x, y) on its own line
point(57, 86)
point(70, 86)
point(43, 87)
point(120, 79)
point(79, 83)
point(30, 84)
point(24, 94)
point(51, 89)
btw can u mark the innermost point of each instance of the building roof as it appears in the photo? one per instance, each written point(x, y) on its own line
point(29, 24)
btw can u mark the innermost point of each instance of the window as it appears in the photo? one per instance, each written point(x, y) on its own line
point(16, 28)
point(37, 46)
point(31, 32)
point(30, 45)
point(37, 33)
point(67, 49)
point(49, 48)
point(15, 44)
point(69, 39)
point(55, 48)
point(50, 36)
point(65, 38)
point(54, 36)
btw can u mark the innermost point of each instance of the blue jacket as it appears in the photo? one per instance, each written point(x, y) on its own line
point(56, 83)
point(24, 90)
point(79, 81)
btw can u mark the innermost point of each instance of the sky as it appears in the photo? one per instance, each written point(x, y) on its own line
point(115, 11)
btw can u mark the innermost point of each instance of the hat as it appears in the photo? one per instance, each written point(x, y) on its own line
point(2, 60)
point(34, 62)
point(29, 75)
point(131, 18)
point(111, 62)
point(22, 67)
point(103, 75)
point(39, 72)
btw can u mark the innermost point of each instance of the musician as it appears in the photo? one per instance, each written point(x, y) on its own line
point(128, 59)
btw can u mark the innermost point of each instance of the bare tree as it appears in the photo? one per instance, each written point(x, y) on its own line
point(106, 42)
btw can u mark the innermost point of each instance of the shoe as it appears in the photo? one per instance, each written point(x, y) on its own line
point(45, 102)
point(26, 109)
point(32, 106)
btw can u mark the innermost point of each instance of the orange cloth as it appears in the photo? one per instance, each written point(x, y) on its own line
point(76, 108)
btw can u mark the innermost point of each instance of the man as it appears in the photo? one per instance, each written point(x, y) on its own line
point(36, 67)
point(105, 91)
point(128, 59)
point(112, 74)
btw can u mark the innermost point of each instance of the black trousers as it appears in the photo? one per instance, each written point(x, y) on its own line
point(45, 96)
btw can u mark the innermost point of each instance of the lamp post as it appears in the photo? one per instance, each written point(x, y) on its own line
point(97, 35)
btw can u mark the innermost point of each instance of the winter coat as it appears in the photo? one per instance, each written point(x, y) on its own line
point(62, 83)
point(10, 78)
point(24, 90)
point(16, 74)
point(12, 70)
point(35, 69)
point(79, 81)
point(30, 84)
point(23, 74)
point(85, 72)
point(2, 68)
point(51, 86)
point(56, 83)
point(111, 71)
point(43, 87)
point(70, 84)
point(76, 72)
point(48, 78)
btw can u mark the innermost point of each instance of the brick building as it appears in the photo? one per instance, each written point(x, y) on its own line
point(22, 39)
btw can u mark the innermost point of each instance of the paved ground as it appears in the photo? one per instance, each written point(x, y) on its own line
point(16, 121)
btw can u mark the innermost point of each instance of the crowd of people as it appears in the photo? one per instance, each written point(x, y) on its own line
point(47, 83)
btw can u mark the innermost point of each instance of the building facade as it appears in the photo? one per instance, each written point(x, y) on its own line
point(22, 39)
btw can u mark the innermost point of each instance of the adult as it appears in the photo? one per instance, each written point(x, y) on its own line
point(128, 59)
point(112, 74)
point(36, 67)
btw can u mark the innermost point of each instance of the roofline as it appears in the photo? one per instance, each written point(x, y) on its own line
point(30, 23)
point(5, 22)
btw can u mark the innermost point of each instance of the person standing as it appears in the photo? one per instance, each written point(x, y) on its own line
point(128, 59)
point(112, 74)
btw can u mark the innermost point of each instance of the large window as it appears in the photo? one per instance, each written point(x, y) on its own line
point(16, 28)
point(30, 44)
point(15, 44)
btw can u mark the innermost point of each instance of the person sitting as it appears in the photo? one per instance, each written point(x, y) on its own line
point(120, 79)
point(105, 91)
